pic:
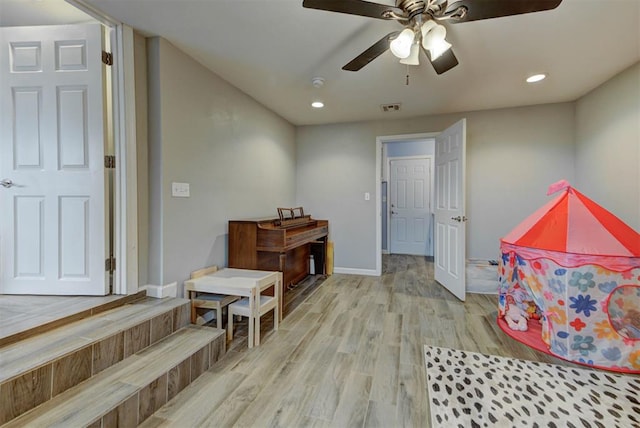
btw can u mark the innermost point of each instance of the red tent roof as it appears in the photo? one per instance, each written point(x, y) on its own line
point(573, 223)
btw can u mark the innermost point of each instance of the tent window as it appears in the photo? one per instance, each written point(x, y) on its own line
point(624, 311)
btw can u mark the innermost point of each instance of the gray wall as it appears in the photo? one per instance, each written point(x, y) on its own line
point(242, 160)
point(425, 147)
point(512, 157)
point(238, 157)
point(608, 145)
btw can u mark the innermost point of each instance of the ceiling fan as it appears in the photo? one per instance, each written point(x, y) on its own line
point(421, 28)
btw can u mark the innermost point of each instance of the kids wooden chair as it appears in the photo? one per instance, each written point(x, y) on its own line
point(264, 304)
point(211, 301)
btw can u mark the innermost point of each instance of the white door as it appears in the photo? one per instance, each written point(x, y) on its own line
point(410, 207)
point(52, 202)
point(450, 209)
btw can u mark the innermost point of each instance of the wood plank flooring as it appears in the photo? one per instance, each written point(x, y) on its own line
point(349, 355)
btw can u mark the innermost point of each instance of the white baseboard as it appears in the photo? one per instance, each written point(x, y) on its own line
point(351, 271)
point(161, 291)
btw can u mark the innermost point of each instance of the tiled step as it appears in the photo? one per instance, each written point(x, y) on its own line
point(38, 368)
point(128, 392)
point(26, 316)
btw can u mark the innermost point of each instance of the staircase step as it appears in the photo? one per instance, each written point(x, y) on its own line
point(130, 391)
point(23, 316)
point(38, 368)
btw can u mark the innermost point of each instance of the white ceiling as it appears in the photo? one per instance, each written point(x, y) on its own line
point(271, 50)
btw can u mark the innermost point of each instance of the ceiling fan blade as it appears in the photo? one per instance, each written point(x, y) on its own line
point(444, 62)
point(353, 7)
point(377, 49)
point(486, 9)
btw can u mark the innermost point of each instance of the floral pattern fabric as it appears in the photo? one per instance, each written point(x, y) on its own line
point(589, 314)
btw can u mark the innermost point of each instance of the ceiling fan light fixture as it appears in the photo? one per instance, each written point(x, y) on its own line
point(414, 55)
point(401, 45)
point(433, 39)
point(420, 20)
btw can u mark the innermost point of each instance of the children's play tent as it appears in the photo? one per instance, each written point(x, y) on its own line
point(572, 270)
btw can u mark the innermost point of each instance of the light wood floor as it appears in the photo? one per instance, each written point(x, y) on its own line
point(350, 355)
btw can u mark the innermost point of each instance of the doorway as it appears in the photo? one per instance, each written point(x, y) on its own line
point(449, 202)
point(120, 129)
point(54, 236)
point(407, 168)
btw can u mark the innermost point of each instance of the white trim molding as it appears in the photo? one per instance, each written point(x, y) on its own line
point(161, 291)
point(352, 271)
point(125, 186)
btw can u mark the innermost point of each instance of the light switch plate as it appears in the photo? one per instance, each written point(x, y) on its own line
point(367, 196)
point(180, 190)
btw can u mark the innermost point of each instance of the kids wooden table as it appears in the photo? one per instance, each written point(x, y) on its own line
point(245, 283)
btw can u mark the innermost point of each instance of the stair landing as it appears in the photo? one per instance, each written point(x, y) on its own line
point(25, 316)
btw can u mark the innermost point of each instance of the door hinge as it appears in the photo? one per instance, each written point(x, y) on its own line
point(110, 264)
point(107, 58)
point(109, 161)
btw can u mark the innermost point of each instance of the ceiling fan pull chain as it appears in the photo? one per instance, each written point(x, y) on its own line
point(407, 82)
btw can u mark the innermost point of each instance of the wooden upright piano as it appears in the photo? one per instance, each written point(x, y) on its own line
point(273, 244)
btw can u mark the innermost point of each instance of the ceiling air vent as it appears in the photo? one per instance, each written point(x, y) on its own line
point(390, 107)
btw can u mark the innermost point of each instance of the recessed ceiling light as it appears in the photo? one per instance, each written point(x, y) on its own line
point(536, 78)
point(317, 104)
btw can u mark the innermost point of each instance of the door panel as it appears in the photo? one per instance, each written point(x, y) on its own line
point(29, 232)
point(450, 209)
point(53, 231)
point(409, 191)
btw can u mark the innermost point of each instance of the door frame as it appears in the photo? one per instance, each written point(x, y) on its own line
point(381, 171)
point(387, 178)
point(125, 186)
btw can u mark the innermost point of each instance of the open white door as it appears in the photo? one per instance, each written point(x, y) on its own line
point(52, 200)
point(410, 206)
point(450, 209)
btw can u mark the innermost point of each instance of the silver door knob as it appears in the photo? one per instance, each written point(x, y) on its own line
point(6, 183)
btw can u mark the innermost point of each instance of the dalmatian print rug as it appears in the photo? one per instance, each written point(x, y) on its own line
point(468, 389)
